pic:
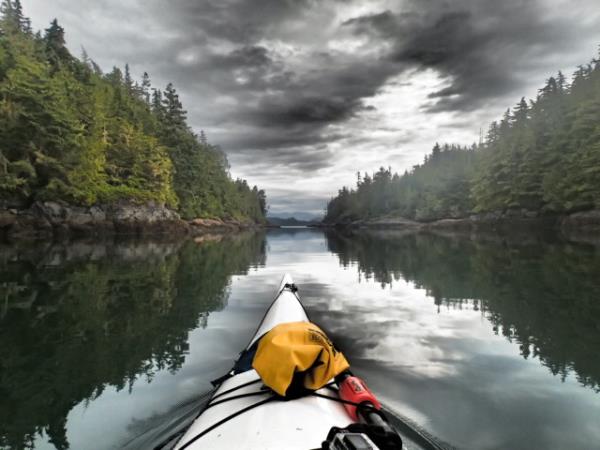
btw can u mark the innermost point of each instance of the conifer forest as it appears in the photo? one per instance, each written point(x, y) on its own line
point(70, 132)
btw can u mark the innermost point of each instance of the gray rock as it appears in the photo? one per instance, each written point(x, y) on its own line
point(582, 220)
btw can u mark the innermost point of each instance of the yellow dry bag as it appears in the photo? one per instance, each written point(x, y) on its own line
point(297, 355)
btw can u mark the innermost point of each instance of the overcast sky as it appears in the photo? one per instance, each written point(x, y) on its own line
point(302, 94)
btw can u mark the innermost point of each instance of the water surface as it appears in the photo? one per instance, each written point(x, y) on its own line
point(486, 342)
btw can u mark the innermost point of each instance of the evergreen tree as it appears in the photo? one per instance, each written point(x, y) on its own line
point(10, 22)
point(56, 45)
point(128, 81)
point(146, 87)
point(85, 58)
point(23, 23)
point(96, 68)
point(175, 114)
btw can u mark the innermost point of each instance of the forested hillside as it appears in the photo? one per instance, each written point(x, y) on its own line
point(70, 132)
point(542, 158)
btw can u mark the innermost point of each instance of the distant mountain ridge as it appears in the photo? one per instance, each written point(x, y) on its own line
point(290, 221)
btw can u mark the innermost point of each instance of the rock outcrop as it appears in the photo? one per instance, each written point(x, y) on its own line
point(587, 220)
point(46, 219)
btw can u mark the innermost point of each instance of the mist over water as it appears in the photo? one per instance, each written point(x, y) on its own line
point(487, 342)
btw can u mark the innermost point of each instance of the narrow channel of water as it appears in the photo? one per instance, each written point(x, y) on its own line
point(487, 343)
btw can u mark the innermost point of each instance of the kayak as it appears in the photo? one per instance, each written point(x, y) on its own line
point(242, 414)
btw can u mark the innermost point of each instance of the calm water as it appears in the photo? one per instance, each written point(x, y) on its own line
point(487, 343)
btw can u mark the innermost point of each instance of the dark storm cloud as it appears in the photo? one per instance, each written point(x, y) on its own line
point(273, 139)
point(238, 21)
point(311, 110)
point(271, 94)
point(487, 48)
point(286, 160)
point(247, 57)
point(296, 105)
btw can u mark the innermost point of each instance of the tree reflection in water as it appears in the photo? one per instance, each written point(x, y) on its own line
point(538, 291)
point(77, 318)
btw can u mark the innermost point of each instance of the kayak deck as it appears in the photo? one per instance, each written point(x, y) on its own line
point(295, 424)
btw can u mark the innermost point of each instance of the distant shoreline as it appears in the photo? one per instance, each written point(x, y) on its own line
point(585, 221)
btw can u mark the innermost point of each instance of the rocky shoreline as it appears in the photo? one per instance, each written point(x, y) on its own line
point(58, 219)
point(583, 222)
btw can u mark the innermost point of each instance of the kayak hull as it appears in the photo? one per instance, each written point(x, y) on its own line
point(296, 424)
point(285, 308)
